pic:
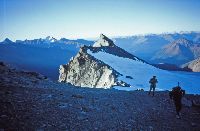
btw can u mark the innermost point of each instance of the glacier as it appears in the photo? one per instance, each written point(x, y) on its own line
point(141, 72)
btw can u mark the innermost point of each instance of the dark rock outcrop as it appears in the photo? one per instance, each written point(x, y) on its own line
point(86, 71)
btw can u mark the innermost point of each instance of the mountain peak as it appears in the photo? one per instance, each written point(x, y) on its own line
point(182, 41)
point(50, 39)
point(103, 41)
point(102, 36)
point(7, 41)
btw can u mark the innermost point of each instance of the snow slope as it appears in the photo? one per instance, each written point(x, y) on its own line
point(141, 73)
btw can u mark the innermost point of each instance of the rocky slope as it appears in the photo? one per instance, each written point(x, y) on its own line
point(106, 65)
point(178, 52)
point(103, 41)
point(29, 101)
point(86, 71)
point(193, 65)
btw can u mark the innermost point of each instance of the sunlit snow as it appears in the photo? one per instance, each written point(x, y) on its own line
point(142, 72)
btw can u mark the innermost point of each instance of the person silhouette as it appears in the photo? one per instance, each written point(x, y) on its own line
point(176, 94)
point(153, 82)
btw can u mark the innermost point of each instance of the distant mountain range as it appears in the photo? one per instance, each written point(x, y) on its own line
point(152, 47)
point(40, 55)
point(178, 52)
point(44, 55)
point(193, 65)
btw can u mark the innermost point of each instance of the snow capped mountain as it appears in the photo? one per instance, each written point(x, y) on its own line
point(50, 39)
point(110, 66)
point(193, 65)
point(143, 46)
point(103, 41)
point(180, 47)
point(45, 56)
point(40, 55)
point(7, 41)
point(147, 46)
point(178, 52)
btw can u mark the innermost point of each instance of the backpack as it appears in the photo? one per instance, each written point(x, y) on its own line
point(176, 93)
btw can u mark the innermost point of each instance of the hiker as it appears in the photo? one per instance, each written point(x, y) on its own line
point(176, 94)
point(153, 82)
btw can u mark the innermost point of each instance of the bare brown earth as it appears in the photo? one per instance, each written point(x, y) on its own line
point(29, 101)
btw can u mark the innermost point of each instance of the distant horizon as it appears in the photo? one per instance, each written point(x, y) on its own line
point(95, 38)
point(26, 19)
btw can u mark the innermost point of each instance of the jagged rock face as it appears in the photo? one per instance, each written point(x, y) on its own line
point(103, 41)
point(111, 66)
point(86, 71)
point(193, 65)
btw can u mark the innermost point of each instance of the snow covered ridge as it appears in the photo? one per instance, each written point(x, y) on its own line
point(86, 71)
point(103, 41)
point(110, 66)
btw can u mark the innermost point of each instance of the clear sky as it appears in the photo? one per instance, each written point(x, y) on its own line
point(29, 19)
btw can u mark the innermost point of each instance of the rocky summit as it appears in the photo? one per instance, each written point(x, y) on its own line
point(109, 66)
point(86, 71)
point(103, 41)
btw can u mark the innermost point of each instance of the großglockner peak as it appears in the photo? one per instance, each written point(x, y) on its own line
point(103, 41)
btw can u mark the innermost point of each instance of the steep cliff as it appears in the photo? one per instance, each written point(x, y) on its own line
point(86, 71)
point(103, 41)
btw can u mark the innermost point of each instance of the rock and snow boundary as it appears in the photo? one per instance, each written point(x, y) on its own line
point(29, 101)
point(106, 65)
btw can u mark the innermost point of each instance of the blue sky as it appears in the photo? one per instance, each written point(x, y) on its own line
point(29, 19)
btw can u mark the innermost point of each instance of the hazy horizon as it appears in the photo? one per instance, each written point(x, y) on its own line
point(72, 19)
point(97, 37)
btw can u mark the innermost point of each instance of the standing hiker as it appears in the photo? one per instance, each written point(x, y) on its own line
point(176, 94)
point(153, 82)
